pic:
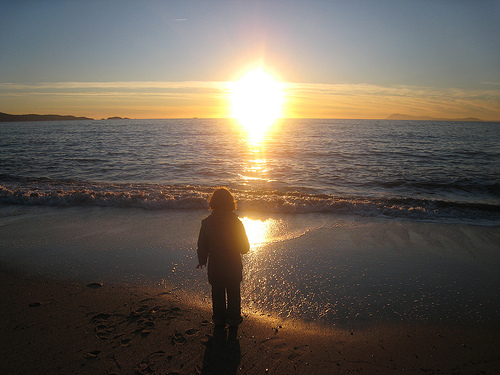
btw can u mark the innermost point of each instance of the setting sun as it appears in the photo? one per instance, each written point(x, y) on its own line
point(256, 102)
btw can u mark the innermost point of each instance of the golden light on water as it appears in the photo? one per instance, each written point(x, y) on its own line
point(257, 99)
point(254, 171)
point(261, 232)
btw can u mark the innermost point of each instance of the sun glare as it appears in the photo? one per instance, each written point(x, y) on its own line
point(263, 232)
point(256, 102)
point(259, 232)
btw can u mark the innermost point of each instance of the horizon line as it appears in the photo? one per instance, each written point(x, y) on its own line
point(114, 117)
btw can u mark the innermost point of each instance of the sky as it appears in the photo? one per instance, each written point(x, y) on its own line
point(174, 59)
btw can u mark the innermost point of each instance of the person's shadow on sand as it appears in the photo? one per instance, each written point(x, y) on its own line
point(223, 353)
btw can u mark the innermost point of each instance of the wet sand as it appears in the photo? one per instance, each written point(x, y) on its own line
point(115, 291)
point(58, 327)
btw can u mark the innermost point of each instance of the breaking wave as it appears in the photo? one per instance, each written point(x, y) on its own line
point(47, 192)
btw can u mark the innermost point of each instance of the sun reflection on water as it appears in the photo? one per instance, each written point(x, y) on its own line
point(255, 170)
point(262, 232)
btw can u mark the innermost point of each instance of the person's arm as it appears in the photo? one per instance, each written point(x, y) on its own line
point(244, 245)
point(202, 247)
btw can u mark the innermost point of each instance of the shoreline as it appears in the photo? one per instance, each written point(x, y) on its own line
point(61, 327)
point(336, 269)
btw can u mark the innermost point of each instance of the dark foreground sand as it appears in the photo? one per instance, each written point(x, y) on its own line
point(54, 327)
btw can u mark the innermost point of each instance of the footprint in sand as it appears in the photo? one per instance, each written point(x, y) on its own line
point(99, 321)
point(144, 327)
point(280, 349)
point(178, 338)
point(142, 308)
point(93, 354)
point(152, 363)
point(125, 342)
point(102, 331)
point(298, 351)
point(111, 365)
point(147, 300)
point(140, 322)
point(103, 328)
point(144, 333)
point(98, 317)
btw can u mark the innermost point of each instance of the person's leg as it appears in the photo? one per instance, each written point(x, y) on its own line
point(233, 316)
point(219, 305)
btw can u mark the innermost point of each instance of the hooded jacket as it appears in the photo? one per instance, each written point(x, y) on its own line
point(222, 240)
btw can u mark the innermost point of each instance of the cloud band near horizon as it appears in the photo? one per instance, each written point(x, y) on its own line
point(212, 99)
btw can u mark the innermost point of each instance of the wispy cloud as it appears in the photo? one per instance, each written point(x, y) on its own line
point(372, 101)
point(110, 85)
point(211, 99)
point(131, 99)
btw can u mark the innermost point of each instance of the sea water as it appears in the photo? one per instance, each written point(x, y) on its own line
point(419, 170)
point(348, 220)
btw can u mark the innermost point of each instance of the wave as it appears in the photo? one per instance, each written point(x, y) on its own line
point(48, 192)
point(471, 186)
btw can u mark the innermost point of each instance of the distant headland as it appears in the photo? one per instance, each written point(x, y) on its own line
point(4, 117)
point(117, 118)
point(399, 116)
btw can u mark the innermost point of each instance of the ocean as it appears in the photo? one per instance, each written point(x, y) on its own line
point(350, 221)
point(416, 170)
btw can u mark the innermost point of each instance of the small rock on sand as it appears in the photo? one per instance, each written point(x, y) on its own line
point(94, 285)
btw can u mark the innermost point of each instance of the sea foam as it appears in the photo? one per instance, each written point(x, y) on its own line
point(45, 192)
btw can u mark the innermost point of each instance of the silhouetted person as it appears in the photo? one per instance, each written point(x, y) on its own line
point(222, 240)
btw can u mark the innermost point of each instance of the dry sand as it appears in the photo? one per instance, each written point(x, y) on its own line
point(55, 327)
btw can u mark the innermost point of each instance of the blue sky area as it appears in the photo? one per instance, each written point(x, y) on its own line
point(449, 46)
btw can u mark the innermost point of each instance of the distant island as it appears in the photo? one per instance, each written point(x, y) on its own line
point(4, 117)
point(399, 116)
point(117, 118)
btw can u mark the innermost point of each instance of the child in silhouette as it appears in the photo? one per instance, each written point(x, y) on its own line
point(221, 241)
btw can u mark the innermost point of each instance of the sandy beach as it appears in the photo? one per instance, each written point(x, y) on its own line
point(55, 327)
point(106, 291)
